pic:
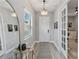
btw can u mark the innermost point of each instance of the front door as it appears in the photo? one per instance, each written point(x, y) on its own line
point(44, 35)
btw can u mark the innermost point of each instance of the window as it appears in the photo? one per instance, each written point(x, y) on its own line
point(27, 24)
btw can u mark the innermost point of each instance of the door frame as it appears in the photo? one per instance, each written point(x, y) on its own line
point(49, 29)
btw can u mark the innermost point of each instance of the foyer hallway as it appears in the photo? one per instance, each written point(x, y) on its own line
point(38, 29)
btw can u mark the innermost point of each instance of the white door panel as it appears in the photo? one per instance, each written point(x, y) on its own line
point(44, 29)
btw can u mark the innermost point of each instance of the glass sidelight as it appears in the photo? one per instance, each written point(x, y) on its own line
point(64, 31)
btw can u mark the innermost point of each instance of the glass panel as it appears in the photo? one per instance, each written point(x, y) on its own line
point(64, 47)
point(27, 24)
point(63, 29)
point(64, 32)
point(64, 40)
point(64, 18)
point(64, 11)
point(64, 25)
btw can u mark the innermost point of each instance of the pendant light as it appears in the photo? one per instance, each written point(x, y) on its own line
point(44, 11)
point(13, 14)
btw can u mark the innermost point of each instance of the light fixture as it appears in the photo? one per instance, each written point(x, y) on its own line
point(44, 11)
point(13, 14)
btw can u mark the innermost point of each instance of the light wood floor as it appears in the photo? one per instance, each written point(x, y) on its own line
point(48, 51)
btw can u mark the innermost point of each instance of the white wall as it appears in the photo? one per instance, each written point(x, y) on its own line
point(57, 32)
point(51, 26)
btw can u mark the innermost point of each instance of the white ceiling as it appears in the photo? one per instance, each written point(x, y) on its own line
point(50, 4)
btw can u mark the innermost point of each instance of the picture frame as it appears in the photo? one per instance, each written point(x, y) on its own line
point(16, 27)
point(56, 25)
point(70, 24)
point(10, 27)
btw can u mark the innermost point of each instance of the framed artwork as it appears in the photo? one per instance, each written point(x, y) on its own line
point(16, 27)
point(56, 25)
point(10, 27)
point(70, 24)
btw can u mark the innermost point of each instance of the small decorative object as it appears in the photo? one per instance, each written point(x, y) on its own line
point(68, 34)
point(70, 24)
point(16, 27)
point(56, 25)
point(10, 27)
point(22, 47)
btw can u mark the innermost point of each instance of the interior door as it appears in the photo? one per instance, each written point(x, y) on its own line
point(44, 31)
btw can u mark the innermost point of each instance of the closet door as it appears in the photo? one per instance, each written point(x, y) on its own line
point(64, 31)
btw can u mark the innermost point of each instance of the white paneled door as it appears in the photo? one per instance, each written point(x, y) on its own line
point(44, 31)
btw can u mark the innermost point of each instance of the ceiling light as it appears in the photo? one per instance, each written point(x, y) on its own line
point(13, 14)
point(44, 11)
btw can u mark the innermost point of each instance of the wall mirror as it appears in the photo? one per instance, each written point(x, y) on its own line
point(8, 20)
